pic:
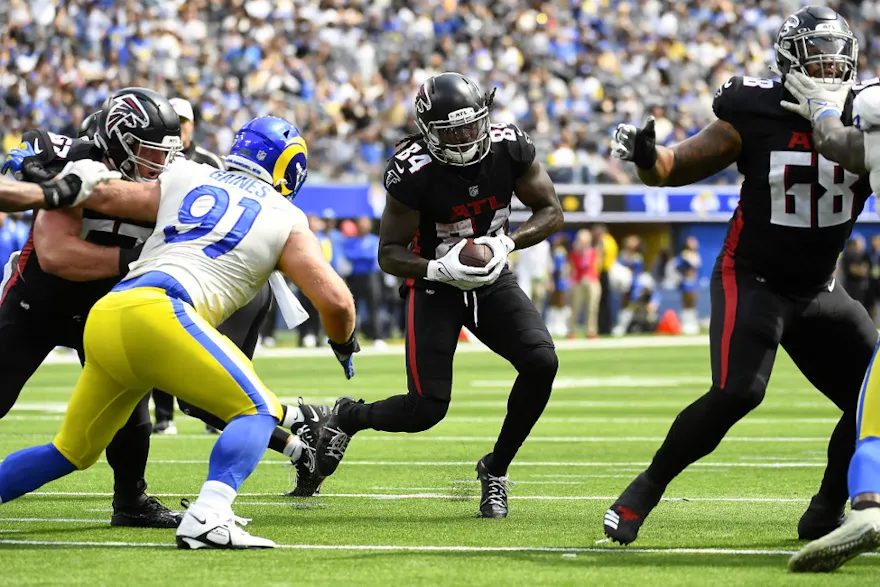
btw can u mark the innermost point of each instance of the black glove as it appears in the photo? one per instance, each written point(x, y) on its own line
point(344, 352)
point(62, 192)
point(127, 256)
point(638, 145)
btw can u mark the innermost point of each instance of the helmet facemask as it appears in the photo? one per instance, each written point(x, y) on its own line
point(146, 157)
point(829, 56)
point(462, 139)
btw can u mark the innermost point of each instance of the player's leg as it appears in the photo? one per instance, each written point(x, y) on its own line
point(503, 317)
point(434, 318)
point(861, 530)
point(747, 323)
point(191, 360)
point(832, 343)
point(164, 413)
point(26, 339)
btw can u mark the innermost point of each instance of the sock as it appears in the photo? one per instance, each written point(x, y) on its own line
point(292, 448)
point(840, 451)
point(127, 455)
point(216, 495)
point(292, 415)
point(31, 468)
point(239, 448)
point(278, 440)
point(864, 469)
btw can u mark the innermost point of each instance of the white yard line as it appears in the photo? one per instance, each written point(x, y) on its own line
point(438, 548)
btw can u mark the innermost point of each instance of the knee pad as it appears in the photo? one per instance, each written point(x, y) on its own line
point(426, 412)
point(539, 361)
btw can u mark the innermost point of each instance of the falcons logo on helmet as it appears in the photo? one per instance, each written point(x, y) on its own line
point(127, 111)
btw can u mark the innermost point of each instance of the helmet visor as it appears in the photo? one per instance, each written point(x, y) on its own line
point(829, 56)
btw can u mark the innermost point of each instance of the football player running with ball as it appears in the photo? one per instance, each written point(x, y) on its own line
point(773, 280)
point(451, 181)
point(857, 149)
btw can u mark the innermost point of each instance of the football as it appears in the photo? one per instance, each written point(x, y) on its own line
point(474, 255)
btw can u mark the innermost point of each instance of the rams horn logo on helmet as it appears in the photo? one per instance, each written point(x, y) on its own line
point(127, 111)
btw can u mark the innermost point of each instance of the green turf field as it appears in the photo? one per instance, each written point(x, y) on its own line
point(401, 508)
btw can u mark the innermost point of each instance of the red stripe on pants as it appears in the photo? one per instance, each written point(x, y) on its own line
point(411, 338)
point(728, 284)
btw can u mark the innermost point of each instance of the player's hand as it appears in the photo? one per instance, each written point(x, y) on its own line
point(449, 269)
point(15, 160)
point(815, 99)
point(75, 183)
point(501, 247)
point(638, 145)
point(344, 354)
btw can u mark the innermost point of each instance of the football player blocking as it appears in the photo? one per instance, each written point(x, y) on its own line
point(772, 283)
point(219, 236)
point(451, 181)
point(857, 148)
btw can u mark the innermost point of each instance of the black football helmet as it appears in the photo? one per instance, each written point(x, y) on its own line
point(453, 116)
point(818, 42)
point(139, 132)
point(88, 126)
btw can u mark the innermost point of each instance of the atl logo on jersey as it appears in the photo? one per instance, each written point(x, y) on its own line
point(476, 207)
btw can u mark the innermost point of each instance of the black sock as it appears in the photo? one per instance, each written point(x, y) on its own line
point(526, 403)
point(695, 433)
point(127, 455)
point(278, 440)
point(865, 505)
point(841, 447)
point(399, 413)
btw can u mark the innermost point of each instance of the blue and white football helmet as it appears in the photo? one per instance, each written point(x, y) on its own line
point(273, 150)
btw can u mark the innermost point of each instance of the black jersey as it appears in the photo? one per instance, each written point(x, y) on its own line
point(63, 297)
point(796, 207)
point(459, 202)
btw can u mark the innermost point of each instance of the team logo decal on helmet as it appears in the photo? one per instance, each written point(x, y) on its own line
point(128, 111)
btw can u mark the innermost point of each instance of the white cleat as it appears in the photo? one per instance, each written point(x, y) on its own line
point(202, 527)
point(859, 533)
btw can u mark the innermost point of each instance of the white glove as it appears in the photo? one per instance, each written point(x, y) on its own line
point(90, 174)
point(501, 247)
point(815, 99)
point(449, 269)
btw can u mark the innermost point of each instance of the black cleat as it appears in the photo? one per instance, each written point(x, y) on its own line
point(821, 518)
point(148, 512)
point(624, 519)
point(308, 480)
point(493, 497)
point(332, 441)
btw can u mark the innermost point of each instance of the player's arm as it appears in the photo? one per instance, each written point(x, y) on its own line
point(708, 152)
point(126, 199)
point(62, 252)
point(16, 196)
point(302, 260)
point(535, 190)
point(397, 230)
point(842, 144)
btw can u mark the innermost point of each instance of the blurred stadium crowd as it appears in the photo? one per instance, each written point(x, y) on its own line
point(346, 70)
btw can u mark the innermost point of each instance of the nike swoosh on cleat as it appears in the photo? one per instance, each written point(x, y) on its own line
point(198, 519)
point(314, 414)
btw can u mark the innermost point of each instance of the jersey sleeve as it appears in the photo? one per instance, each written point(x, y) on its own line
point(521, 149)
point(728, 100)
point(43, 143)
point(400, 185)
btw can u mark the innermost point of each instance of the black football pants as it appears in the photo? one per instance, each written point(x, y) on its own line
point(28, 333)
point(829, 336)
point(501, 316)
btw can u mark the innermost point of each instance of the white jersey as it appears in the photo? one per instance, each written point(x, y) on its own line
point(219, 234)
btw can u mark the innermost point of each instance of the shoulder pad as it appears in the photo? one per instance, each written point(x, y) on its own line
point(408, 161)
point(518, 143)
point(747, 95)
point(868, 83)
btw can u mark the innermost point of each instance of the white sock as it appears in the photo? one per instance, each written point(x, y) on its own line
point(292, 415)
point(216, 496)
point(293, 448)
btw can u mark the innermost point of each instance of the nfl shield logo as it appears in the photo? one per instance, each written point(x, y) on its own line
point(474, 191)
point(261, 155)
